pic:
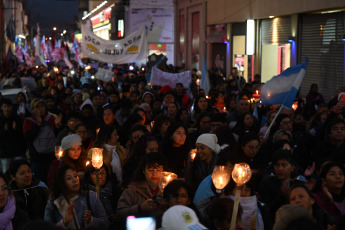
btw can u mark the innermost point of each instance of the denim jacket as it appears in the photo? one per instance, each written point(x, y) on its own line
point(99, 215)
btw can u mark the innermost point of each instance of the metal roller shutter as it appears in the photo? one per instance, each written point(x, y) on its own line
point(320, 40)
point(276, 30)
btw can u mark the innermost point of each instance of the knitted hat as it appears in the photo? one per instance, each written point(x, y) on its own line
point(70, 141)
point(180, 217)
point(210, 140)
point(289, 213)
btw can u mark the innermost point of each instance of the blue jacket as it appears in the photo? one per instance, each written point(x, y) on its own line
point(100, 217)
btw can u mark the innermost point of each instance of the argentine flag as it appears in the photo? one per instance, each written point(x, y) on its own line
point(282, 89)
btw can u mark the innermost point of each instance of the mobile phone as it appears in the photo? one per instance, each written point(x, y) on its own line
point(144, 223)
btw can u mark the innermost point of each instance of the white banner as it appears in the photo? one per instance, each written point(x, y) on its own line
point(158, 77)
point(155, 4)
point(159, 24)
point(104, 75)
point(130, 49)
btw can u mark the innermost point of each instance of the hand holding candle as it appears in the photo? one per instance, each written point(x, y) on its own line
point(192, 154)
point(58, 152)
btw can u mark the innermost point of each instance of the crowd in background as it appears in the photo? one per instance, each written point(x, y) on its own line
point(297, 164)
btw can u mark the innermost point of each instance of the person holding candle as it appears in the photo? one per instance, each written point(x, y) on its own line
point(107, 139)
point(143, 194)
point(206, 192)
point(203, 164)
point(72, 208)
point(31, 195)
point(109, 192)
point(72, 156)
point(218, 101)
point(254, 213)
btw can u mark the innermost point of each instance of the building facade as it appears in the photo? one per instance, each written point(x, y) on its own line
point(266, 37)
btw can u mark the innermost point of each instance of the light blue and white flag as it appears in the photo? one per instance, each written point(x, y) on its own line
point(282, 89)
point(205, 81)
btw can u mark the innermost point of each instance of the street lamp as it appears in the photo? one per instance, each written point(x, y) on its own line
point(54, 28)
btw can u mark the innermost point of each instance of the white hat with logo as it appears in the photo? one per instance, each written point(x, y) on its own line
point(180, 217)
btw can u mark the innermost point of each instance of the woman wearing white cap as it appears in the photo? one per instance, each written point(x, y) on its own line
point(203, 164)
point(72, 156)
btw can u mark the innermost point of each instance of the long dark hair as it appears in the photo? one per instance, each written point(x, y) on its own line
point(158, 122)
point(103, 135)
point(59, 187)
point(196, 101)
point(141, 145)
point(167, 142)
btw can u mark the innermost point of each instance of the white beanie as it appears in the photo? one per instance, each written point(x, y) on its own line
point(210, 140)
point(70, 141)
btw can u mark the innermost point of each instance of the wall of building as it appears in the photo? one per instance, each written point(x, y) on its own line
point(187, 52)
point(225, 11)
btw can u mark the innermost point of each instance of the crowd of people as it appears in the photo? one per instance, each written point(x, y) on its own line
point(297, 157)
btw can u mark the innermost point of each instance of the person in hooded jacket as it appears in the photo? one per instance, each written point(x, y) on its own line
point(31, 195)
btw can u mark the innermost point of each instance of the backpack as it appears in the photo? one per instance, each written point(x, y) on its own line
point(45, 140)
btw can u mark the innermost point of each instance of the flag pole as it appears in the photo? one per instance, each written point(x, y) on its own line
point(274, 119)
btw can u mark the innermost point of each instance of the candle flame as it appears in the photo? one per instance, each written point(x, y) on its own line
point(206, 97)
point(60, 153)
point(193, 156)
point(257, 91)
point(87, 163)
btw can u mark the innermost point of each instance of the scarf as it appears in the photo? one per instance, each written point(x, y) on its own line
point(7, 214)
point(62, 205)
point(115, 162)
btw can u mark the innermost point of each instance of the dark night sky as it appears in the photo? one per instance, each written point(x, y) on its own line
point(50, 13)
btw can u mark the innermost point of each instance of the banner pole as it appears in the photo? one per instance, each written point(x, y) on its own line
point(274, 119)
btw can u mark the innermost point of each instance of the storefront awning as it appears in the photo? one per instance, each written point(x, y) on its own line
point(216, 36)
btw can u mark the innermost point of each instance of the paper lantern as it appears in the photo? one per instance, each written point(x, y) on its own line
point(241, 173)
point(221, 176)
point(97, 158)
